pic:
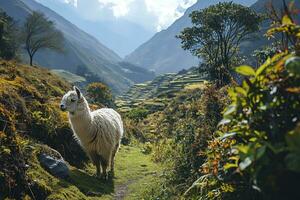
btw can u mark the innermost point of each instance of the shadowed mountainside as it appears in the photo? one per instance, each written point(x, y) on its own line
point(82, 52)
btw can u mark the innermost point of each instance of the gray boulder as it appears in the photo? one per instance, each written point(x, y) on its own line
point(55, 166)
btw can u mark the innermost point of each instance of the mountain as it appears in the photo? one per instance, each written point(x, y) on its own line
point(163, 52)
point(261, 6)
point(83, 54)
point(121, 35)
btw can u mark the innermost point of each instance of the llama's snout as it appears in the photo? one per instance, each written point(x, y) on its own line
point(63, 107)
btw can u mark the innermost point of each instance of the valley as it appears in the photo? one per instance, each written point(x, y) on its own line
point(225, 128)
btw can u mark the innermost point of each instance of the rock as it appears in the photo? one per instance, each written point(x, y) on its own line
point(56, 167)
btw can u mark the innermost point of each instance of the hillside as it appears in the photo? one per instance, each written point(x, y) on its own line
point(155, 95)
point(31, 124)
point(82, 52)
point(163, 52)
point(68, 76)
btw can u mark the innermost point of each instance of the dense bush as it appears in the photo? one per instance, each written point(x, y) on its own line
point(255, 154)
point(100, 94)
point(137, 114)
point(13, 180)
point(181, 131)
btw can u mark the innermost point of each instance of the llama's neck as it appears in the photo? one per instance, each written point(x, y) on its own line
point(81, 120)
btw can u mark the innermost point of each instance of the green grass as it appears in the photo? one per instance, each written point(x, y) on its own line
point(135, 174)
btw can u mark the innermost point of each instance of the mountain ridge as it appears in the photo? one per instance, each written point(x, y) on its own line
point(82, 51)
point(171, 57)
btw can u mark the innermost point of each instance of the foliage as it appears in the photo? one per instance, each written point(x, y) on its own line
point(40, 33)
point(216, 35)
point(137, 114)
point(13, 181)
point(99, 94)
point(255, 152)
point(178, 134)
point(264, 53)
point(8, 37)
point(282, 19)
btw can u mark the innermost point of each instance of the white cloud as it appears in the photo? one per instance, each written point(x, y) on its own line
point(71, 2)
point(119, 7)
point(164, 11)
point(167, 11)
point(151, 14)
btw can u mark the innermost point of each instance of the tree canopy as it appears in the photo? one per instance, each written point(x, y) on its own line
point(8, 37)
point(40, 33)
point(217, 33)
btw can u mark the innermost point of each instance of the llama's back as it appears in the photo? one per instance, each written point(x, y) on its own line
point(110, 120)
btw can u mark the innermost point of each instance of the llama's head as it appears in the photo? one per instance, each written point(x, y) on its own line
point(72, 101)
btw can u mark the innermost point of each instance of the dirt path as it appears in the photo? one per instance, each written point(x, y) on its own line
point(135, 172)
point(122, 190)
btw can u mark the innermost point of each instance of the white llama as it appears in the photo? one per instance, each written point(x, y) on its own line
point(98, 132)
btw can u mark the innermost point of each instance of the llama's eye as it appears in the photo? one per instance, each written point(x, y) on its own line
point(73, 100)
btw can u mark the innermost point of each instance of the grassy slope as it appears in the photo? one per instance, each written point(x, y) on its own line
point(68, 76)
point(29, 99)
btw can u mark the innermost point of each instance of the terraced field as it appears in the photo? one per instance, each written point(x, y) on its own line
point(154, 95)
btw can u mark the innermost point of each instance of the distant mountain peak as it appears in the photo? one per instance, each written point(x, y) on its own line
point(163, 52)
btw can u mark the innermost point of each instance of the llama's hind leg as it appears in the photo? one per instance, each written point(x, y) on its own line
point(96, 161)
point(104, 165)
point(112, 159)
point(98, 166)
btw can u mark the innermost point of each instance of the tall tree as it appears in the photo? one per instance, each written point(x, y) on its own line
point(40, 33)
point(8, 37)
point(216, 35)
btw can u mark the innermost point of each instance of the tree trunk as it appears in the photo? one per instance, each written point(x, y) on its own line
point(31, 59)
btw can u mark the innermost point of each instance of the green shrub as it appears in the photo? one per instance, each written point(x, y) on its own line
point(256, 150)
point(99, 94)
point(181, 133)
point(13, 180)
point(137, 114)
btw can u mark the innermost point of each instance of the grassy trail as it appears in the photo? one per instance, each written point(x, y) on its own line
point(135, 174)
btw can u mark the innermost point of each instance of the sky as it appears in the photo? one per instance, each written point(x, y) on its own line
point(153, 15)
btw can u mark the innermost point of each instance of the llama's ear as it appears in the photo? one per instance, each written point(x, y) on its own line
point(77, 92)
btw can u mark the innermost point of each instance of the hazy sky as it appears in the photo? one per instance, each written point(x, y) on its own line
point(151, 14)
